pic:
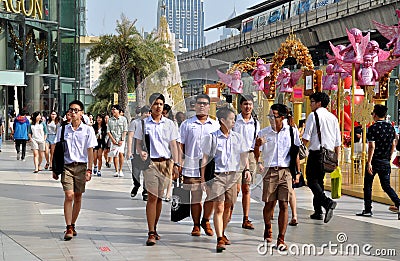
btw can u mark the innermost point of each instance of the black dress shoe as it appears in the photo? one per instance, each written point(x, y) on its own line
point(316, 216)
point(329, 211)
point(134, 191)
point(144, 197)
point(365, 214)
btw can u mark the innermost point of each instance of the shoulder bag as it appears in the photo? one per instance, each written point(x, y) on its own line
point(209, 172)
point(57, 163)
point(329, 158)
point(137, 161)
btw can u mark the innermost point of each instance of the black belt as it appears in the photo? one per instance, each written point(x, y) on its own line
point(278, 168)
point(76, 163)
point(158, 159)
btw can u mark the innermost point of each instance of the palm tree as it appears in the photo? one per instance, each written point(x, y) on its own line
point(132, 57)
point(120, 49)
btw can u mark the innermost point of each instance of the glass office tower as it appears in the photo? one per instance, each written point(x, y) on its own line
point(185, 19)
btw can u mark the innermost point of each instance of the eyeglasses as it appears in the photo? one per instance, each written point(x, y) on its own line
point(75, 110)
point(203, 103)
point(311, 101)
point(273, 117)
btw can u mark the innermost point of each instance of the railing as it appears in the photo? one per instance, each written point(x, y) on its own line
point(299, 22)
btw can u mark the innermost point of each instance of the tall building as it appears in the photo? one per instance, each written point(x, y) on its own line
point(185, 19)
point(229, 32)
point(39, 55)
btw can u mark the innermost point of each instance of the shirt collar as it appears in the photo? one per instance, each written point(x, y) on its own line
point(207, 121)
point(239, 117)
point(162, 120)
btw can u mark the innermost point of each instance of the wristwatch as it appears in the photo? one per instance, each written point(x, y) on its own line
point(299, 172)
point(177, 164)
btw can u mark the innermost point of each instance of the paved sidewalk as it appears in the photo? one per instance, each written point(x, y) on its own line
point(112, 226)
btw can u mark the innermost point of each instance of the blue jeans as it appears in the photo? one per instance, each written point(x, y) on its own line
point(1, 141)
point(382, 168)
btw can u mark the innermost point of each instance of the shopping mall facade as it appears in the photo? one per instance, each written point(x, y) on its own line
point(39, 54)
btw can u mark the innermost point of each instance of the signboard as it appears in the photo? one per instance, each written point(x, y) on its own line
point(308, 82)
point(298, 93)
point(12, 78)
point(29, 8)
point(131, 97)
point(214, 91)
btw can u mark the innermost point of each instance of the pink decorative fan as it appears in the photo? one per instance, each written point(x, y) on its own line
point(391, 32)
point(286, 80)
point(233, 81)
point(354, 52)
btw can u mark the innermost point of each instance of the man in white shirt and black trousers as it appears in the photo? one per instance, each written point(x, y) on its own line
point(330, 138)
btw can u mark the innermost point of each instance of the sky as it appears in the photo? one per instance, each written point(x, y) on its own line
point(103, 14)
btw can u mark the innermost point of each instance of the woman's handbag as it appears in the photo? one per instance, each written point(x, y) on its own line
point(57, 163)
point(137, 161)
point(329, 158)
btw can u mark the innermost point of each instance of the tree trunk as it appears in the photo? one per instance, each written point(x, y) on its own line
point(140, 94)
point(123, 91)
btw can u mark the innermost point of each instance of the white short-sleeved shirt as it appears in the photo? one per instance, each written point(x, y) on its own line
point(78, 141)
point(161, 134)
point(330, 132)
point(227, 150)
point(247, 130)
point(277, 146)
point(192, 133)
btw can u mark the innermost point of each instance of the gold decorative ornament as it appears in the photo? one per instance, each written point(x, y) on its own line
point(397, 91)
point(292, 47)
point(362, 112)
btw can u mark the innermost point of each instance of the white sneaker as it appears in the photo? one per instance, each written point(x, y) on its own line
point(121, 174)
point(116, 174)
point(94, 170)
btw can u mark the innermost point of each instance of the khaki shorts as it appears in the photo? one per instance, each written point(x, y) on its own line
point(38, 145)
point(74, 178)
point(194, 185)
point(157, 176)
point(277, 185)
point(224, 187)
point(252, 168)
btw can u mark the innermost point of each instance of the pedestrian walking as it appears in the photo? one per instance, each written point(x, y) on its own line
point(381, 138)
point(80, 139)
point(247, 126)
point(330, 139)
point(53, 123)
point(100, 129)
point(192, 133)
point(160, 137)
point(117, 129)
point(37, 137)
point(135, 124)
point(229, 151)
point(277, 178)
point(20, 131)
